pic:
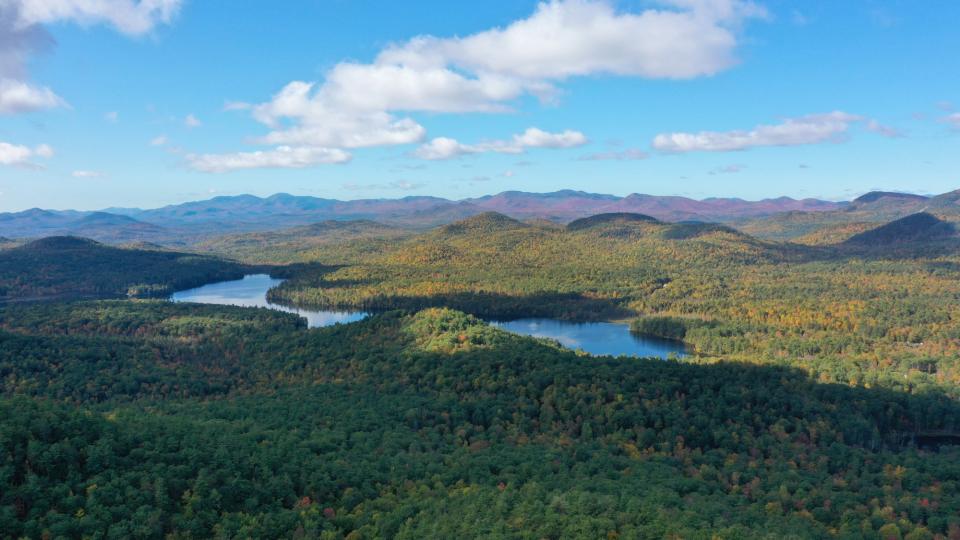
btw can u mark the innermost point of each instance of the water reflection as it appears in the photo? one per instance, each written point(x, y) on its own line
point(251, 291)
point(599, 338)
point(603, 338)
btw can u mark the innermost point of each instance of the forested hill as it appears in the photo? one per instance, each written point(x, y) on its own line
point(603, 219)
point(495, 266)
point(916, 228)
point(70, 267)
point(342, 239)
point(156, 420)
point(201, 220)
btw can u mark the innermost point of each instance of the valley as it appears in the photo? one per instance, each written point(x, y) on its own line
point(517, 270)
point(817, 389)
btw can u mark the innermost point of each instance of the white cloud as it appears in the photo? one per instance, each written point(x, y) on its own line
point(620, 155)
point(365, 104)
point(44, 151)
point(810, 129)
point(159, 140)
point(236, 106)
point(87, 174)
point(402, 185)
point(582, 37)
point(192, 121)
point(19, 97)
point(22, 36)
point(112, 117)
point(953, 120)
point(447, 148)
point(729, 169)
point(284, 157)
point(881, 129)
point(537, 138)
point(444, 148)
point(128, 16)
point(19, 155)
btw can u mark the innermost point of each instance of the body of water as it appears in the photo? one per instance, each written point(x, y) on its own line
point(603, 338)
point(251, 291)
point(600, 338)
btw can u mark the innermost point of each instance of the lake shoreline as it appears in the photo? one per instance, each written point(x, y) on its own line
point(600, 338)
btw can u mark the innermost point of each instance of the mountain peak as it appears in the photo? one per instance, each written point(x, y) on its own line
point(875, 196)
point(60, 243)
point(616, 218)
point(485, 222)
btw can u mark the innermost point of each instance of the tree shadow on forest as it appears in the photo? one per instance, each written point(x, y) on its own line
point(799, 253)
point(771, 400)
point(573, 307)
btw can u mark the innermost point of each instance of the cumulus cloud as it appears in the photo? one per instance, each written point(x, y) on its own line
point(537, 138)
point(447, 148)
point(571, 38)
point(368, 104)
point(284, 157)
point(159, 140)
point(127, 16)
point(87, 174)
point(113, 117)
point(192, 121)
point(620, 155)
point(21, 156)
point(444, 148)
point(20, 97)
point(953, 120)
point(22, 36)
point(810, 129)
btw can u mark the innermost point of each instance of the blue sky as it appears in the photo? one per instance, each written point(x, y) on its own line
point(118, 103)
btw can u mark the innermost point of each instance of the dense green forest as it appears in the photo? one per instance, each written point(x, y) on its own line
point(822, 401)
point(144, 419)
point(338, 241)
point(69, 267)
point(882, 309)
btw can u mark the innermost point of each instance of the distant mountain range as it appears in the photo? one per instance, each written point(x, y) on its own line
point(860, 214)
point(193, 221)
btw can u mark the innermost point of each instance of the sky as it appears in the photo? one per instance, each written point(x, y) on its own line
point(126, 103)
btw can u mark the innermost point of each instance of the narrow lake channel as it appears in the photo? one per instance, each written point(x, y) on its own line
point(598, 338)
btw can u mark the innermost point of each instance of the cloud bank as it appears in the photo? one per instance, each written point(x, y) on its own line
point(810, 129)
point(361, 105)
point(283, 157)
point(446, 148)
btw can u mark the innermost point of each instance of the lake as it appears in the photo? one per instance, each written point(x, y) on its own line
point(598, 338)
point(251, 291)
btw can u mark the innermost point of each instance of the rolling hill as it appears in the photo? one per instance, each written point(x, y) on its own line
point(915, 228)
point(100, 226)
point(608, 219)
point(343, 239)
point(198, 220)
point(59, 267)
point(876, 208)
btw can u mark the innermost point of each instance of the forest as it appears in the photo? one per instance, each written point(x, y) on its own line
point(821, 402)
point(65, 267)
point(883, 310)
point(145, 419)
